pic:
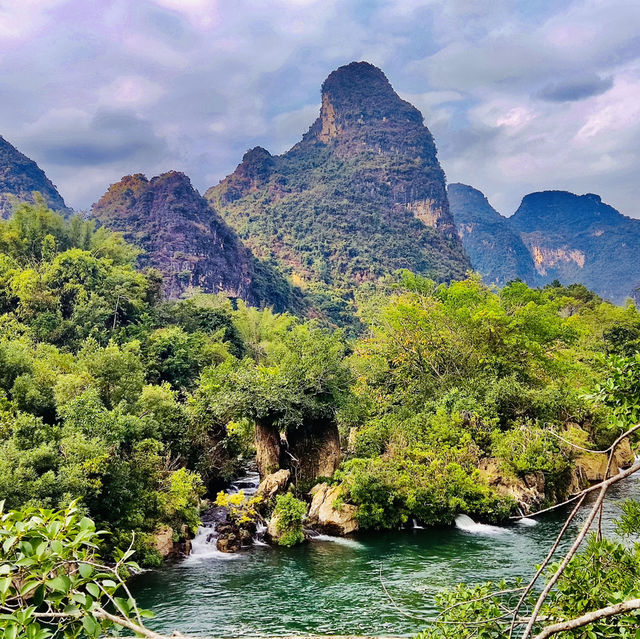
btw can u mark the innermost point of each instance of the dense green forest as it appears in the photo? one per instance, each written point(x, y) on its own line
point(132, 409)
point(138, 407)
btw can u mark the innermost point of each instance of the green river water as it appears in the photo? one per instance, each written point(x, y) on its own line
point(333, 586)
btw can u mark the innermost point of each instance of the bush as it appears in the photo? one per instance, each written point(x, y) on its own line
point(289, 513)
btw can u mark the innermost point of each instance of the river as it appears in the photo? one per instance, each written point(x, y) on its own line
point(334, 586)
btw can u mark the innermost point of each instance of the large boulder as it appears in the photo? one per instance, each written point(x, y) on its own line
point(163, 541)
point(592, 467)
point(273, 484)
point(165, 544)
point(328, 513)
point(272, 532)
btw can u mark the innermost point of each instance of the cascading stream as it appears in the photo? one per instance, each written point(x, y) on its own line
point(203, 545)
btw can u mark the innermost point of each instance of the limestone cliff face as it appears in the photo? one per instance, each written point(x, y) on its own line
point(20, 177)
point(578, 238)
point(495, 250)
point(553, 235)
point(182, 237)
point(362, 194)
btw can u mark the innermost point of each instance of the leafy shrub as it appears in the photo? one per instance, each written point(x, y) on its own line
point(289, 513)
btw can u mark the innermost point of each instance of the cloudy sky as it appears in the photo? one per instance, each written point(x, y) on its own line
point(520, 96)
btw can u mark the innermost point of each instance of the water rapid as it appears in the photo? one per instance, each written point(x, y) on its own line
point(333, 586)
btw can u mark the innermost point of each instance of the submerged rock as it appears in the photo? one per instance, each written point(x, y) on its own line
point(329, 514)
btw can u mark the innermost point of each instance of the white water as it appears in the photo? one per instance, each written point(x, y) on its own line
point(203, 545)
point(342, 541)
point(416, 525)
point(464, 522)
point(527, 521)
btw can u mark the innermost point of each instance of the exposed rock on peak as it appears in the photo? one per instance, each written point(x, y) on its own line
point(356, 98)
point(553, 235)
point(186, 240)
point(361, 195)
point(495, 250)
point(20, 177)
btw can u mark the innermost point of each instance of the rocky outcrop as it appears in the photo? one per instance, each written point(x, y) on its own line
point(166, 545)
point(20, 178)
point(308, 451)
point(273, 533)
point(328, 512)
point(185, 239)
point(313, 451)
point(273, 484)
point(361, 195)
point(267, 442)
point(527, 491)
point(590, 468)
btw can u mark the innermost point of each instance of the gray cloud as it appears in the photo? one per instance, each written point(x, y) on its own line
point(107, 138)
point(575, 89)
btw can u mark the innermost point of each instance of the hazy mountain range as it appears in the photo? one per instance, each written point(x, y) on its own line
point(361, 195)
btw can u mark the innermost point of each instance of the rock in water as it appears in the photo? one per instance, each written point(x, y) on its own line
point(186, 240)
point(327, 512)
point(361, 195)
point(20, 177)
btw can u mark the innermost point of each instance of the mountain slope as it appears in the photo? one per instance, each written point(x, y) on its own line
point(495, 250)
point(553, 235)
point(362, 194)
point(20, 177)
point(186, 240)
point(578, 238)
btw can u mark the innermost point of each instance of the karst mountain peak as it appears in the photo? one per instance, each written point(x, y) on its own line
point(361, 195)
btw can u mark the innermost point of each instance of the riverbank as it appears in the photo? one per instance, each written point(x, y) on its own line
point(334, 586)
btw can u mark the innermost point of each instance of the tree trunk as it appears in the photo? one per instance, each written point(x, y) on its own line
point(313, 451)
point(267, 449)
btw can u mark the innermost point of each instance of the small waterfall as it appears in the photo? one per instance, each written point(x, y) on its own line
point(416, 525)
point(261, 529)
point(464, 522)
point(204, 543)
point(524, 520)
point(248, 484)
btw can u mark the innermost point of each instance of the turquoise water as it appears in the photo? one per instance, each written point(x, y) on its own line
point(333, 586)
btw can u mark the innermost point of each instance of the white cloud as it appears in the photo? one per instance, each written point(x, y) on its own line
point(130, 91)
point(192, 84)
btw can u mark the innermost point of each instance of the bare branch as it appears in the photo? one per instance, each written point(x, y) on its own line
point(576, 544)
point(590, 617)
point(544, 564)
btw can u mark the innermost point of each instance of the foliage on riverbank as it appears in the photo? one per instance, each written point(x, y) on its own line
point(449, 375)
point(136, 406)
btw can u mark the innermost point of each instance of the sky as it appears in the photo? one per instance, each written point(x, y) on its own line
point(520, 96)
